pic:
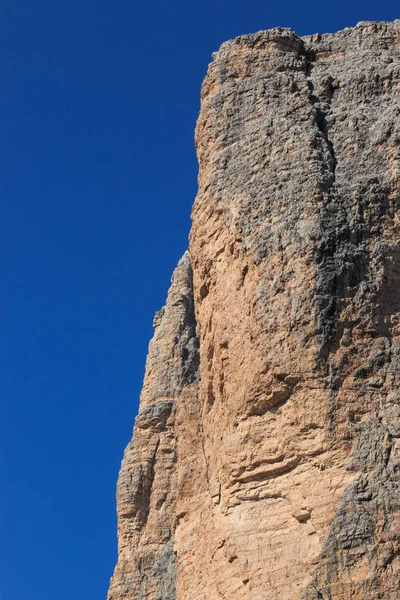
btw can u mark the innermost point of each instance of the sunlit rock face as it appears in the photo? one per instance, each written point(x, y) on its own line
point(265, 461)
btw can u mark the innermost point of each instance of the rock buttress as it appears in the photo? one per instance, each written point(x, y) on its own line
point(284, 478)
point(147, 483)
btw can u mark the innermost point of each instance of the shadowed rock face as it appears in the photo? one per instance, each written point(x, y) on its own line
point(265, 462)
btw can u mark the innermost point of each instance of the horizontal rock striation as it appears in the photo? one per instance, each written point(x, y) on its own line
point(265, 462)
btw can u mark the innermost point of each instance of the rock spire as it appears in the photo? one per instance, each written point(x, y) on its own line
point(265, 461)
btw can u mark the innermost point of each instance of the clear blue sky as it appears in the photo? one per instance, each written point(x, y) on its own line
point(97, 177)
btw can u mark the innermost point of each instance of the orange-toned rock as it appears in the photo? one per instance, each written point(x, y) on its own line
point(265, 462)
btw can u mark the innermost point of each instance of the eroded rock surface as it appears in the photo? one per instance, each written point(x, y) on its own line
point(265, 462)
point(148, 480)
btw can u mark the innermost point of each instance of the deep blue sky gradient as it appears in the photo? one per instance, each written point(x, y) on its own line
point(97, 177)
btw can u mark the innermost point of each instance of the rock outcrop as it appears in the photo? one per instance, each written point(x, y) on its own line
point(265, 461)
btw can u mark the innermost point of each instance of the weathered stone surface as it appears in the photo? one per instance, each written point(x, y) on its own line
point(147, 484)
point(266, 456)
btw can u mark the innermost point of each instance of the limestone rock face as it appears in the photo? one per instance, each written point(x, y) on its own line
point(148, 480)
point(265, 461)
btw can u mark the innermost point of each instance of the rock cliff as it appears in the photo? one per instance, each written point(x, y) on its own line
point(265, 461)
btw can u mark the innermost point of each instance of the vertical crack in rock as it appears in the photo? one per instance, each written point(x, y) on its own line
point(265, 461)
